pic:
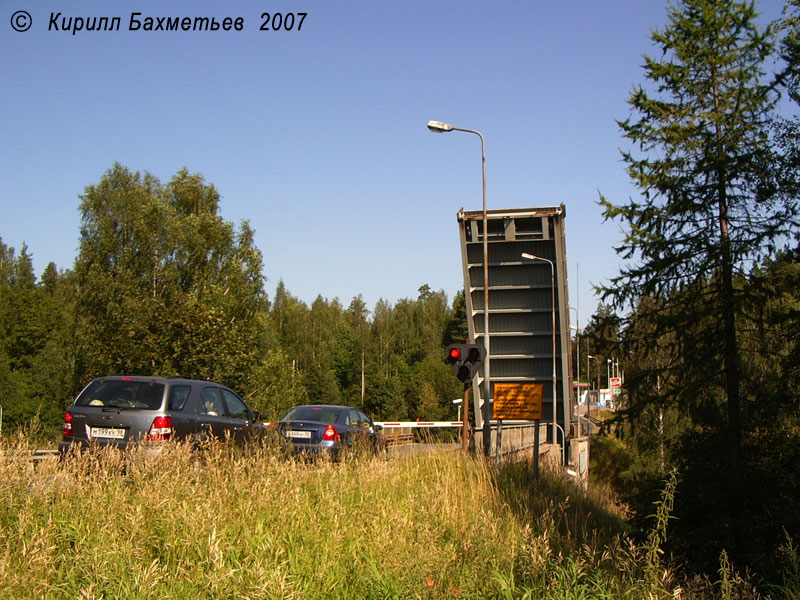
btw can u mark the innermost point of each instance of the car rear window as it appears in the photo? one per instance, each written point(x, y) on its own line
point(123, 393)
point(323, 414)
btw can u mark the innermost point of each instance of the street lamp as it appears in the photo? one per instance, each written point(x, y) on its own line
point(577, 344)
point(597, 361)
point(439, 127)
point(553, 291)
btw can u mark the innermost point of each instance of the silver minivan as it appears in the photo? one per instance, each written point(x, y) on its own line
point(120, 410)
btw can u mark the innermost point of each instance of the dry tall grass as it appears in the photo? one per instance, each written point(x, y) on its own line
point(217, 524)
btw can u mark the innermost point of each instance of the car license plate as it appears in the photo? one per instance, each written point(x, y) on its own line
point(303, 435)
point(107, 432)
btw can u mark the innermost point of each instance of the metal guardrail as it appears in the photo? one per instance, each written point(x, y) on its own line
point(400, 439)
point(34, 456)
point(39, 455)
point(518, 436)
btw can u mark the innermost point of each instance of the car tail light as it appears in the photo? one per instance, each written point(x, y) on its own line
point(161, 429)
point(67, 429)
point(331, 434)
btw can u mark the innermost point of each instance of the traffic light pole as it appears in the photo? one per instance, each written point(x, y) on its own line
point(465, 360)
point(465, 422)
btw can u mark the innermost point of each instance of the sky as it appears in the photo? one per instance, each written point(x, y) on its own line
point(318, 136)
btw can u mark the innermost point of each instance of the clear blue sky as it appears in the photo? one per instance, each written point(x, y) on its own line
point(318, 137)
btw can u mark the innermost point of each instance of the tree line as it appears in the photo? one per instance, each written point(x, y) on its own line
point(162, 285)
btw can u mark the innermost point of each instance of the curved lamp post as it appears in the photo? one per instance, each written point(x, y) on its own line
point(553, 290)
point(439, 127)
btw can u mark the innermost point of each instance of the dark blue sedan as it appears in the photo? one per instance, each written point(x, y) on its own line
point(322, 428)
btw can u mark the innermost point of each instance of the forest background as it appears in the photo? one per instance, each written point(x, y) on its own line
point(163, 285)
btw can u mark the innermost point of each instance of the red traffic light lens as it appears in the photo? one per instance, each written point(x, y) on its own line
point(455, 353)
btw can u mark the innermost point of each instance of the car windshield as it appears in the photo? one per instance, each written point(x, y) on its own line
point(323, 414)
point(123, 393)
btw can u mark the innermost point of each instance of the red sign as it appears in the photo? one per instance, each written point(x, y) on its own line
point(616, 382)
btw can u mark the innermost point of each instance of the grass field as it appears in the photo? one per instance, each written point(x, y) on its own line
point(215, 524)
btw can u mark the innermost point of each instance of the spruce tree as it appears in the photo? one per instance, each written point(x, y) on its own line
point(709, 201)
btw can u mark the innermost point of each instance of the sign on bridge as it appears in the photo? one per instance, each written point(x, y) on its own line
point(518, 401)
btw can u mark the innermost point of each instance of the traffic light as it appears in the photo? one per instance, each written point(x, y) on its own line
point(465, 360)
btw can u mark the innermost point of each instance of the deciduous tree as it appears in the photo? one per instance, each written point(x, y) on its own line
point(165, 285)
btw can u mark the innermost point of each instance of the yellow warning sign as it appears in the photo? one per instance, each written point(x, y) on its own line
point(518, 401)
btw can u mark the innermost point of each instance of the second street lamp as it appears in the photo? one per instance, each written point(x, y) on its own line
point(440, 127)
point(553, 290)
point(597, 364)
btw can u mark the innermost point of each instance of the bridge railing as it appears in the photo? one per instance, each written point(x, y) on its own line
point(517, 437)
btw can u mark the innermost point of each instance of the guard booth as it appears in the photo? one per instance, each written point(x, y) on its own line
point(521, 310)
